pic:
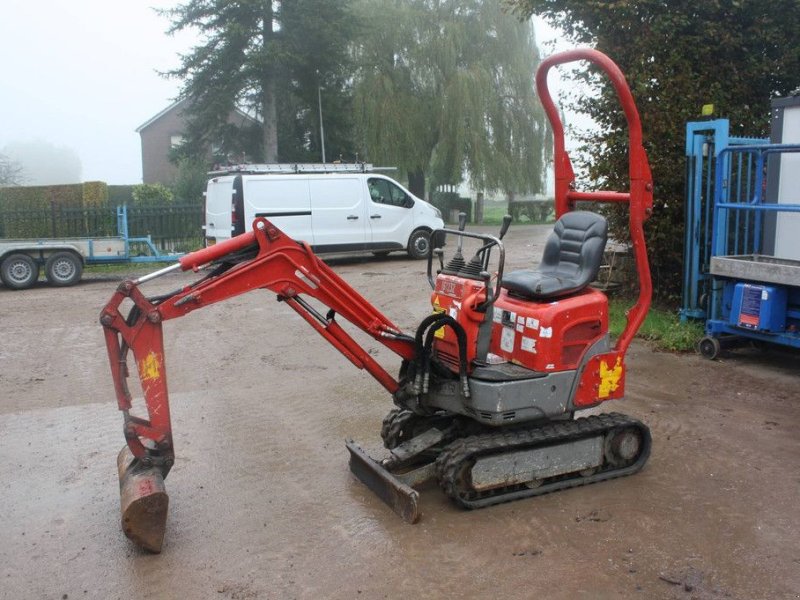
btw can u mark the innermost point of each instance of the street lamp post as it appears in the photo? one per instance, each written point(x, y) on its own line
point(321, 129)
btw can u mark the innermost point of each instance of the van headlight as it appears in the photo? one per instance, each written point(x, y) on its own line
point(437, 212)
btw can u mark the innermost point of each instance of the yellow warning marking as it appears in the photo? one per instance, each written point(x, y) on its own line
point(437, 309)
point(150, 367)
point(609, 378)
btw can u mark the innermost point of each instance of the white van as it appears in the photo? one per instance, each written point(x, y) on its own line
point(333, 207)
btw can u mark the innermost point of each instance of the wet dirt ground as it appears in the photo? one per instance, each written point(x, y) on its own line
point(262, 504)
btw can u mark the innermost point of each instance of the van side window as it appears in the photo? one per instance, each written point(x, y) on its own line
point(385, 192)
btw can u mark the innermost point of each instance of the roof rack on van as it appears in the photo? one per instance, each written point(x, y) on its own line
point(300, 168)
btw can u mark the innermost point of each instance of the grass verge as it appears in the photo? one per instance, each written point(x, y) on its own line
point(662, 327)
point(493, 215)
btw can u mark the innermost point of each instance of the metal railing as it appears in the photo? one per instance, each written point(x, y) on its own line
point(741, 224)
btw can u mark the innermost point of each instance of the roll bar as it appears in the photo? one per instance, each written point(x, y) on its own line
point(639, 196)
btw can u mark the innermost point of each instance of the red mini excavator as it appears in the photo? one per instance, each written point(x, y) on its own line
point(488, 383)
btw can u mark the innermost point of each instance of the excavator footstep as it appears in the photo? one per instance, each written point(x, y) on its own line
point(402, 498)
point(143, 502)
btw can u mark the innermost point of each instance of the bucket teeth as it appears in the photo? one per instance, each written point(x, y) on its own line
point(143, 502)
point(402, 498)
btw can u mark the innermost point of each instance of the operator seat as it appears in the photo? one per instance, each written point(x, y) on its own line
point(571, 259)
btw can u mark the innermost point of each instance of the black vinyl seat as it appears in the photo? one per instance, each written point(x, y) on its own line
point(572, 257)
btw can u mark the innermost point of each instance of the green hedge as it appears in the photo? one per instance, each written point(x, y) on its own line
point(120, 194)
point(534, 211)
point(41, 211)
point(95, 194)
point(74, 195)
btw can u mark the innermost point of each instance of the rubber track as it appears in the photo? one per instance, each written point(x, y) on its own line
point(465, 451)
point(392, 429)
point(400, 425)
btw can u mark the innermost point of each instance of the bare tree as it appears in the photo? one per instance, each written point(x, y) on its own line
point(11, 172)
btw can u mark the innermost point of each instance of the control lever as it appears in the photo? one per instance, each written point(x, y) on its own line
point(483, 255)
point(504, 227)
point(462, 224)
point(455, 264)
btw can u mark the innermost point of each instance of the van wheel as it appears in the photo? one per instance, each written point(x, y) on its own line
point(63, 269)
point(419, 244)
point(19, 271)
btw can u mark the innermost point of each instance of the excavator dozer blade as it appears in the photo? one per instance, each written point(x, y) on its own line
point(402, 498)
point(143, 501)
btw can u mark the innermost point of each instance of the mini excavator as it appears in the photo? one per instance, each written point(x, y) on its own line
point(488, 384)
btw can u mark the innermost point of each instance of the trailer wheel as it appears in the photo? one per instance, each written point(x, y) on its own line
point(709, 347)
point(419, 244)
point(19, 271)
point(63, 269)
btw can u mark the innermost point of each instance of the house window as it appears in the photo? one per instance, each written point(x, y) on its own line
point(176, 140)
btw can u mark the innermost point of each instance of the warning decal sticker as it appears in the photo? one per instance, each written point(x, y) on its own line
point(609, 378)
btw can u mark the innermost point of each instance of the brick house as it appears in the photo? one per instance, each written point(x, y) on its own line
point(163, 132)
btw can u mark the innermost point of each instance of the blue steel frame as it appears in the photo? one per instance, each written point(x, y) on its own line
point(737, 230)
point(705, 140)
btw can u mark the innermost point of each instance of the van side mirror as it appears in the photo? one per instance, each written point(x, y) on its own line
point(409, 202)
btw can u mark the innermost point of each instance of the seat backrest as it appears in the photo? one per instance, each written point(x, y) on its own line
point(572, 257)
point(575, 248)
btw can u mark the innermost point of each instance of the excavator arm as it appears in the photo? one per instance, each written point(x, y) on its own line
point(264, 258)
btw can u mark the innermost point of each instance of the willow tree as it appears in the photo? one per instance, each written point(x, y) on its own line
point(444, 88)
point(259, 56)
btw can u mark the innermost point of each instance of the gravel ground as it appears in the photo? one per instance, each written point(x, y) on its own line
point(263, 504)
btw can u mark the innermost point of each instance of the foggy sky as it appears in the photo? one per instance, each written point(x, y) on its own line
point(81, 74)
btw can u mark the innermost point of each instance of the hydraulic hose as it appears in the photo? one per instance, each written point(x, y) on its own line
point(424, 350)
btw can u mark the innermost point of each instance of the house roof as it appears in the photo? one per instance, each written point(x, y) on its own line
point(180, 103)
point(155, 118)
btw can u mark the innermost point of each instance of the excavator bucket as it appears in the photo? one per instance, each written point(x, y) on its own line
point(143, 501)
point(402, 498)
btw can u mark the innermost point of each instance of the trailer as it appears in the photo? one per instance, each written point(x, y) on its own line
point(63, 259)
point(742, 267)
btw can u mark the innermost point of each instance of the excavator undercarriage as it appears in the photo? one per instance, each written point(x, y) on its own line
point(480, 467)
